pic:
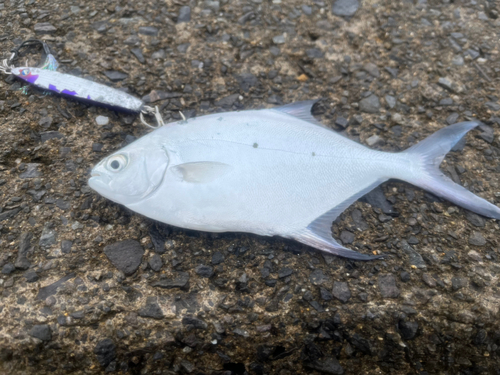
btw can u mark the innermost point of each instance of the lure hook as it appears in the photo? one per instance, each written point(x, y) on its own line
point(152, 111)
point(16, 52)
point(5, 67)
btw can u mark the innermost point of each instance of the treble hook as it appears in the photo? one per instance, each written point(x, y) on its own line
point(156, 113)
point(16, 52)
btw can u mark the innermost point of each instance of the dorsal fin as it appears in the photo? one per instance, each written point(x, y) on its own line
point(301, 110)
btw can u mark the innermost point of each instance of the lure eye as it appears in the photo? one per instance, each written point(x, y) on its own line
point(25, 72)
point(117, 163)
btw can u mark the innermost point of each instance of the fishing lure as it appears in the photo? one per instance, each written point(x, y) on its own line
point(46, 77)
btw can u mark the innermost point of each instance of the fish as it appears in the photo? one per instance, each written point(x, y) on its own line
point(271, 172)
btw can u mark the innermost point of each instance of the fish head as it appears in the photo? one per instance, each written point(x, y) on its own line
point(26, 73)
point(130, 174)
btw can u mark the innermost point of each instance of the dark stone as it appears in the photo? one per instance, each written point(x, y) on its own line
point(345, 8)
point(45, 136)
point(63, 205)
point(341, 291)
point(44, 28)
point(9, 214)
point(314, 53)
point(412, 240)
point(346, 237)
point(408, 330)
point(451, 119)
point(45, 122)
point(41, 332)
point(227, 101)
point(326, 366)
point(480, 337)
point(155, 262)
point(137, 52)
point(247, 80)
point(187, 366)
point(376, 198)
point(360, 343)
point(446, 102)
point(125, 255)
point(180, 281)
point(115, 76)
point(31, 276)
point(217, 258)
point(317, 277)
point(477, 239)
point(158, 235)
point(325, 294)
point(97, 147)
point(493, 106)
point(204, 271)
point(184, 14)
point(66, 246)
point(284, 272)
point(474, 219)
point(182, 48)
point(405, 276)
point(100, 26)
point(148, 30)
point(414, 257)
point(357, 218)
point(31, 171)
point(51, 289)
point(387, 286)
point(25, 247)
point(8, 269)
point(151, 310)
point(458, 282)
point(307, 10)
point(195, 322)
point(342, 122)
point(370, 104)
point(48, 237)
point(78, 314)
point(105, 351)
point(392, 71)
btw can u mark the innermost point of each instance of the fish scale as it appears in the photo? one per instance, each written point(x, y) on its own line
point(272, 172)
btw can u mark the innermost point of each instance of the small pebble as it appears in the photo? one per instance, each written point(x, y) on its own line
point(102, 120)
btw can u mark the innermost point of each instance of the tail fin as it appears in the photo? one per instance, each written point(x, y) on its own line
point(430, 153)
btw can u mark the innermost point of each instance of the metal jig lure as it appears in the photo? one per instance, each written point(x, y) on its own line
point(47, 78)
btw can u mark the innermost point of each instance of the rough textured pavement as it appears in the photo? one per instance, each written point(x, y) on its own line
point(88, 286)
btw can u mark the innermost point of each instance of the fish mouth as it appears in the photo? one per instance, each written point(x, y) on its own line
point(95, 174)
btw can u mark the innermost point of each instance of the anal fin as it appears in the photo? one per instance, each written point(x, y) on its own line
point(331, 246)
point(318, 233)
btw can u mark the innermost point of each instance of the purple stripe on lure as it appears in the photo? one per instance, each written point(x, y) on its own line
point(31, 78)
point(53, 88)
point(67, 92)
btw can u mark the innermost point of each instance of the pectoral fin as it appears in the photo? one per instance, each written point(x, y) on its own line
point(201, 171)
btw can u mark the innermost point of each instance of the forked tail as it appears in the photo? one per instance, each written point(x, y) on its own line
point(429, 153)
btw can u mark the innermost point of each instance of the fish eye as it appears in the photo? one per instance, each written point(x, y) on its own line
point(116, 163)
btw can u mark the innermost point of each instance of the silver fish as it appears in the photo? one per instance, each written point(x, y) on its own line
point(272, 172)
